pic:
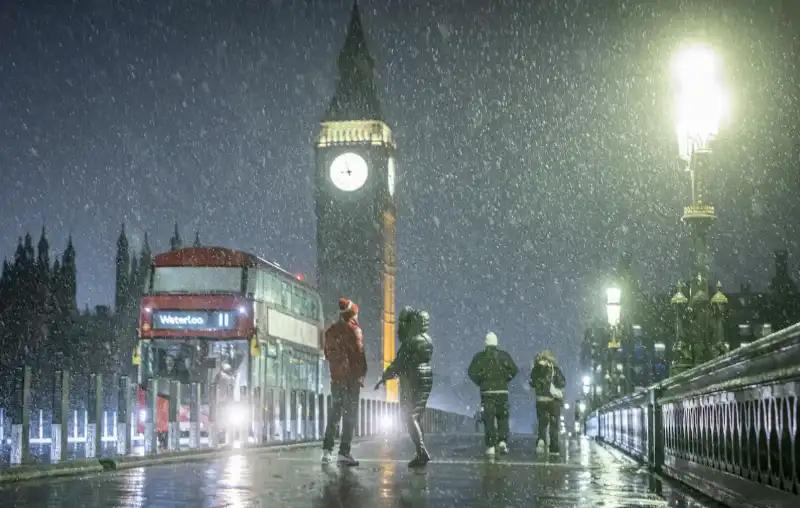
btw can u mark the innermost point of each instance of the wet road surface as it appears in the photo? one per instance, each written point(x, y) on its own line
point(585, 475)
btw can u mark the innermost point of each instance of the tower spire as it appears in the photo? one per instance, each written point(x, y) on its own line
point(146, 245)
point(355, 97)
point(123, 272)
point(175, 243)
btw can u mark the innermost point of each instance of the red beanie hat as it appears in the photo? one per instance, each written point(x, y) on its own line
point(346, 306)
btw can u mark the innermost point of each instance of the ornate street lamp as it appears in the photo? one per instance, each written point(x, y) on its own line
point(702, 104)
point(586, 388)
point(614, 376)
point(613, 312)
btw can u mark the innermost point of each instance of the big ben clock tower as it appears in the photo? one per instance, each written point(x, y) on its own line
point(355, 207)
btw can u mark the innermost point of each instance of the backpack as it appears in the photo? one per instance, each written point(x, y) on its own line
point(556, 393)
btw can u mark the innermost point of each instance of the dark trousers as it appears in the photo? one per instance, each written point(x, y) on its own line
point(495, 417)
point(548, 415)
point(414, 408)
point(344, 405)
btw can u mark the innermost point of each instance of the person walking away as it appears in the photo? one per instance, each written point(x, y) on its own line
point(413, 366)
point(492, 369)
point(344, 350)
point(547, 381)
point(478, 419)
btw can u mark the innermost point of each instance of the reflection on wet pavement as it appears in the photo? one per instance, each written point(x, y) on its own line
point(586, 475)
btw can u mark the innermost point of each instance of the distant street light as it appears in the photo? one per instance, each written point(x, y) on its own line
point(613, 311)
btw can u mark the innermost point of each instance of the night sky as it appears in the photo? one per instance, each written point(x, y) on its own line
point(535, 137)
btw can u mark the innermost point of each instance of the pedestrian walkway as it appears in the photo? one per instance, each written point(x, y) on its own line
point(586, 475)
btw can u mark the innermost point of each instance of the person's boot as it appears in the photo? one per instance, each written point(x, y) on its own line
point(421, 459)
point(502, 448)
point(345, 459)
point(415, 433)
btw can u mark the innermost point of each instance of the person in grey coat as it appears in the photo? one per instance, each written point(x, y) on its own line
point(547, 381)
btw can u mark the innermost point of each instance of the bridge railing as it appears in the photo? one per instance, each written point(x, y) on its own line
point(729, 428)
point(49, 422)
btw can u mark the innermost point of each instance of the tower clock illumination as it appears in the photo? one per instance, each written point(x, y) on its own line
point(391, 180)
point(349, 172)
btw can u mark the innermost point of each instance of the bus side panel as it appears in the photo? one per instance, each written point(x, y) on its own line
point(162, 415)
point(162, 412)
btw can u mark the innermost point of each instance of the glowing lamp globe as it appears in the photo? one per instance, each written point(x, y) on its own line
point(701, 101)
point(613, 305)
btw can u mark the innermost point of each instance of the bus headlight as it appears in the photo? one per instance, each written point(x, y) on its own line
point(236, 415)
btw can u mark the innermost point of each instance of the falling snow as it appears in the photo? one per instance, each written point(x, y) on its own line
point(535, 144)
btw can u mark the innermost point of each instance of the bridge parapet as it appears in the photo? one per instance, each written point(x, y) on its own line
point(49, 424)
point(727, 428)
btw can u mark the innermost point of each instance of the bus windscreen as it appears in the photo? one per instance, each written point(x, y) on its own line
point(196, 280)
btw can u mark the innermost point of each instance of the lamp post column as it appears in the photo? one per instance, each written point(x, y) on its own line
point(702, 104)
point(613, 374)
point(681, 356)
point(718, 306)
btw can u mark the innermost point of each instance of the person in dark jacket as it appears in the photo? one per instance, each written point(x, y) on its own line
point(492, 369)
point(344, 350)
point(413, 366)
point(547, 381)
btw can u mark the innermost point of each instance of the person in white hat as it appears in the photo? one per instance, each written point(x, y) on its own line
point(492, 369)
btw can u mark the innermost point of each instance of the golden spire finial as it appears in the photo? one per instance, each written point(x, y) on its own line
point(719, 297)
point(679, 298)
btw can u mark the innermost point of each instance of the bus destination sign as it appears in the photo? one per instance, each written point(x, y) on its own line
point(193, 320)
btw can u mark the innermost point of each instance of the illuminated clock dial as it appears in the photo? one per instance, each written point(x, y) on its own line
point(349, 172)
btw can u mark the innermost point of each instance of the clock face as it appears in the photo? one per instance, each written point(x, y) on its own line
point(349, 172)
point(391, 180)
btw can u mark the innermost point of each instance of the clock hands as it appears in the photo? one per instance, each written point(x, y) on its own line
point(344, 176)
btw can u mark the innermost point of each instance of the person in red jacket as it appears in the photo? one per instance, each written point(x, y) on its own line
point(344, 350)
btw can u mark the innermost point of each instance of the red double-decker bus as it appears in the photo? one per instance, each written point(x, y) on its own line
point(226, 319)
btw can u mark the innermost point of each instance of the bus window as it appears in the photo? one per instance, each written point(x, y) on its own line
point(286, 295)
point(299, 301)
point(259, 289)
point(273, 289)
point(312, 309)
point(191, 279)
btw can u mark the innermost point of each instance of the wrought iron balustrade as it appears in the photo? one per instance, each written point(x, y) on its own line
point(728, 428)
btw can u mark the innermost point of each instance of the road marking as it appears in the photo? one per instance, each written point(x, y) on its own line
point(605, 498)
point(454, 462)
